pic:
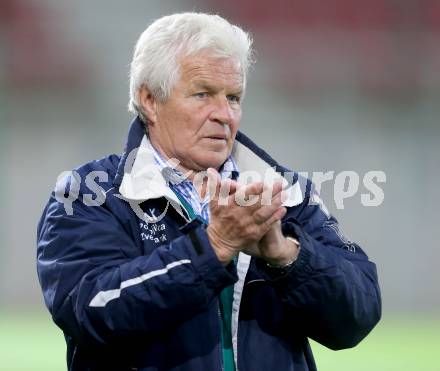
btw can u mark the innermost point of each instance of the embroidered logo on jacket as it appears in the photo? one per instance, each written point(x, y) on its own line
point(154, 232)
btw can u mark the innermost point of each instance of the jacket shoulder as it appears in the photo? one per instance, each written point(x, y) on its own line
point(107, 164)
point(77, 192)
point(87, 184)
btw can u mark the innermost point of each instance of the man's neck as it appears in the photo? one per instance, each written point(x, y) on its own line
point(194, 176)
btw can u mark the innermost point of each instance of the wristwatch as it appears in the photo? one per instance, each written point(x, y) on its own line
point(286, 267)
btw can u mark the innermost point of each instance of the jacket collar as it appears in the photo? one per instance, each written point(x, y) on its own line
point(139, 178)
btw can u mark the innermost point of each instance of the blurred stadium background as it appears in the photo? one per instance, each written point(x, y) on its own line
point(338, 85)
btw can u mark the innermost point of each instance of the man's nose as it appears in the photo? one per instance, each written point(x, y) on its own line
point(222, 111)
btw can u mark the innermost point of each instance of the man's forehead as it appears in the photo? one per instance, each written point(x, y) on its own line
point(216, 83)
point(204, 70)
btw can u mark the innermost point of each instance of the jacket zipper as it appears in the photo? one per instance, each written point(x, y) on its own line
point(222, 366)
point(192, 215)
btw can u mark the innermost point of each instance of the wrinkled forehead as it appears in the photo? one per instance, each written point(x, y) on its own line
point(206, 67)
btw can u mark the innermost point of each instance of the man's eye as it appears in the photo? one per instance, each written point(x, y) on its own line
point(233, 98)
point(201, 95)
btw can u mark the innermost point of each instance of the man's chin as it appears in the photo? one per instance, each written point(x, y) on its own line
point(215, 161)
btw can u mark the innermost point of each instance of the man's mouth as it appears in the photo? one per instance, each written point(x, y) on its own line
point(217, 137)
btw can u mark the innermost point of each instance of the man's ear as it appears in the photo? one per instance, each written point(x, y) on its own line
point(148, 104)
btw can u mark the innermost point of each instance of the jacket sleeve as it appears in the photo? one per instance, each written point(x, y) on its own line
point(331, 292)
point(99, 288)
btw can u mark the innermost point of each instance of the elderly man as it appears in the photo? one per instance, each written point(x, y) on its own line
point(178, 261)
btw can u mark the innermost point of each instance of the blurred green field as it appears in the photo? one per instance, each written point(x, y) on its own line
point(31, 342)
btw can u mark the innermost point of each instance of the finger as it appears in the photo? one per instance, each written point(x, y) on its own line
point(272, 187)
point(234, 186)
point(255, 188)
point(276, 216)
point(284, 195)
point(270, 191)
point(266, 211)
point(213, 183)
point(248, 195)
point(227, 188)
point(277, 188)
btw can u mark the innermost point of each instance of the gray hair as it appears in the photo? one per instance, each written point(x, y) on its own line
point(155, 61)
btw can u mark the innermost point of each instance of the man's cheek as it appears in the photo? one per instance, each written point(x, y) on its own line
point(234, 127)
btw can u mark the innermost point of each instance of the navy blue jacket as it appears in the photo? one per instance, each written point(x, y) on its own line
point(131, 294)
